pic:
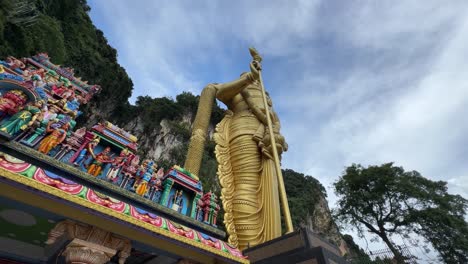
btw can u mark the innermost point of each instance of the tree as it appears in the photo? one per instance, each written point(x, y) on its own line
point(386, 200)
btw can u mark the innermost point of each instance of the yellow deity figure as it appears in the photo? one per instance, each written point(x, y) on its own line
point(246, 170)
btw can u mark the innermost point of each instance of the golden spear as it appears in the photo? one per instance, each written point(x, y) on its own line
point(282, 190)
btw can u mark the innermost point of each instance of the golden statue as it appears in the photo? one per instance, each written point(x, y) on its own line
point(248, 169)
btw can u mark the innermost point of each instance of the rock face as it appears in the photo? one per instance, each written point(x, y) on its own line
point(158, 144)
point(322, 223)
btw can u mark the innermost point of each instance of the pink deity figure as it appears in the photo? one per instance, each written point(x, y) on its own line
point(117, 164)
point(27, 74)
point(11, 101)
point(40, 72)
point(14, 63)
point(156, 180)
point(68, 92)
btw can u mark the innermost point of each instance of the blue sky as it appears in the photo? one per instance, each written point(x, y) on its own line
point(352, 81)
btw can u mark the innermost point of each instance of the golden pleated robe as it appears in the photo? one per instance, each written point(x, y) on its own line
point(249, 181)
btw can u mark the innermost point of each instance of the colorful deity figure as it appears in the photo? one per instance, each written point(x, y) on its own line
point(15, 64)
point(39, 89)
point(117, 164)
point(72, 103)
point(49, 113)
point(156, 186)
point(177, 202)
point(58, 88)
point(146, 178)
point(68, 92)
point(27, 73)
point(51, 78)
point(102, 158)
point(23, 119)
point(39, 75)
point(87, 151)
point(11, 101)
point(57, 135)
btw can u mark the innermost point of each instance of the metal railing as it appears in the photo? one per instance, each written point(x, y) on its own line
point(385, 256)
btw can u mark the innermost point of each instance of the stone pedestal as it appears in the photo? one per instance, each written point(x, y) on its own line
point(302, 246)
point(85, 244)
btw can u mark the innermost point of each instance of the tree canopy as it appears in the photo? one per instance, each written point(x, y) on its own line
point(386, 200)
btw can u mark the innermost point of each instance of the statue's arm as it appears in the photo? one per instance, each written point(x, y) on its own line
point(226, 91)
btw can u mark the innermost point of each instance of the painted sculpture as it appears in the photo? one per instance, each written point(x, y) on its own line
point(98, 162)
point(87, 151)
point(11, 101)
point(117, 165)
point(146, 176)
point(23, 119)
point(56, 136)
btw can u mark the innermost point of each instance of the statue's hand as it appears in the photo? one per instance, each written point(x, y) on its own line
point(255, 68)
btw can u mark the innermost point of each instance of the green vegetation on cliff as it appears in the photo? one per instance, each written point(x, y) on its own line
point(63, 29)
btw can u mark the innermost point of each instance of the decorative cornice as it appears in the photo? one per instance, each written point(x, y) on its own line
point(107, 211)
point(67, 171)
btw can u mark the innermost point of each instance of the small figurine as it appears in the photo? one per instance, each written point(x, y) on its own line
point(68, 92)
point(177, 201)
point(87, 151)
point(58, 89)
point(39, 89)
point(100, 159)
point(143, 185)
point(23, 119)
point(51, 78)
point(49, 114)
point(117, 163)
point(57, 136)
point(11, 101)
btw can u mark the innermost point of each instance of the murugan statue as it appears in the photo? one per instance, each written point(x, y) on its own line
point(246, 167)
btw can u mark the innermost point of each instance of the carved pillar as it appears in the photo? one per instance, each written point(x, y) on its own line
point(89, 244)
point(193, 213)
point(167, 185)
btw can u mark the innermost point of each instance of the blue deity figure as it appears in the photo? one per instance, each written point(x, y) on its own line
point(86, 152)
point(148, 174)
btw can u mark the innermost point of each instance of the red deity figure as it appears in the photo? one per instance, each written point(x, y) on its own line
point(11, 101)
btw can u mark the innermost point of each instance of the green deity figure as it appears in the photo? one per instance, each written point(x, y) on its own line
point(23, 119)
